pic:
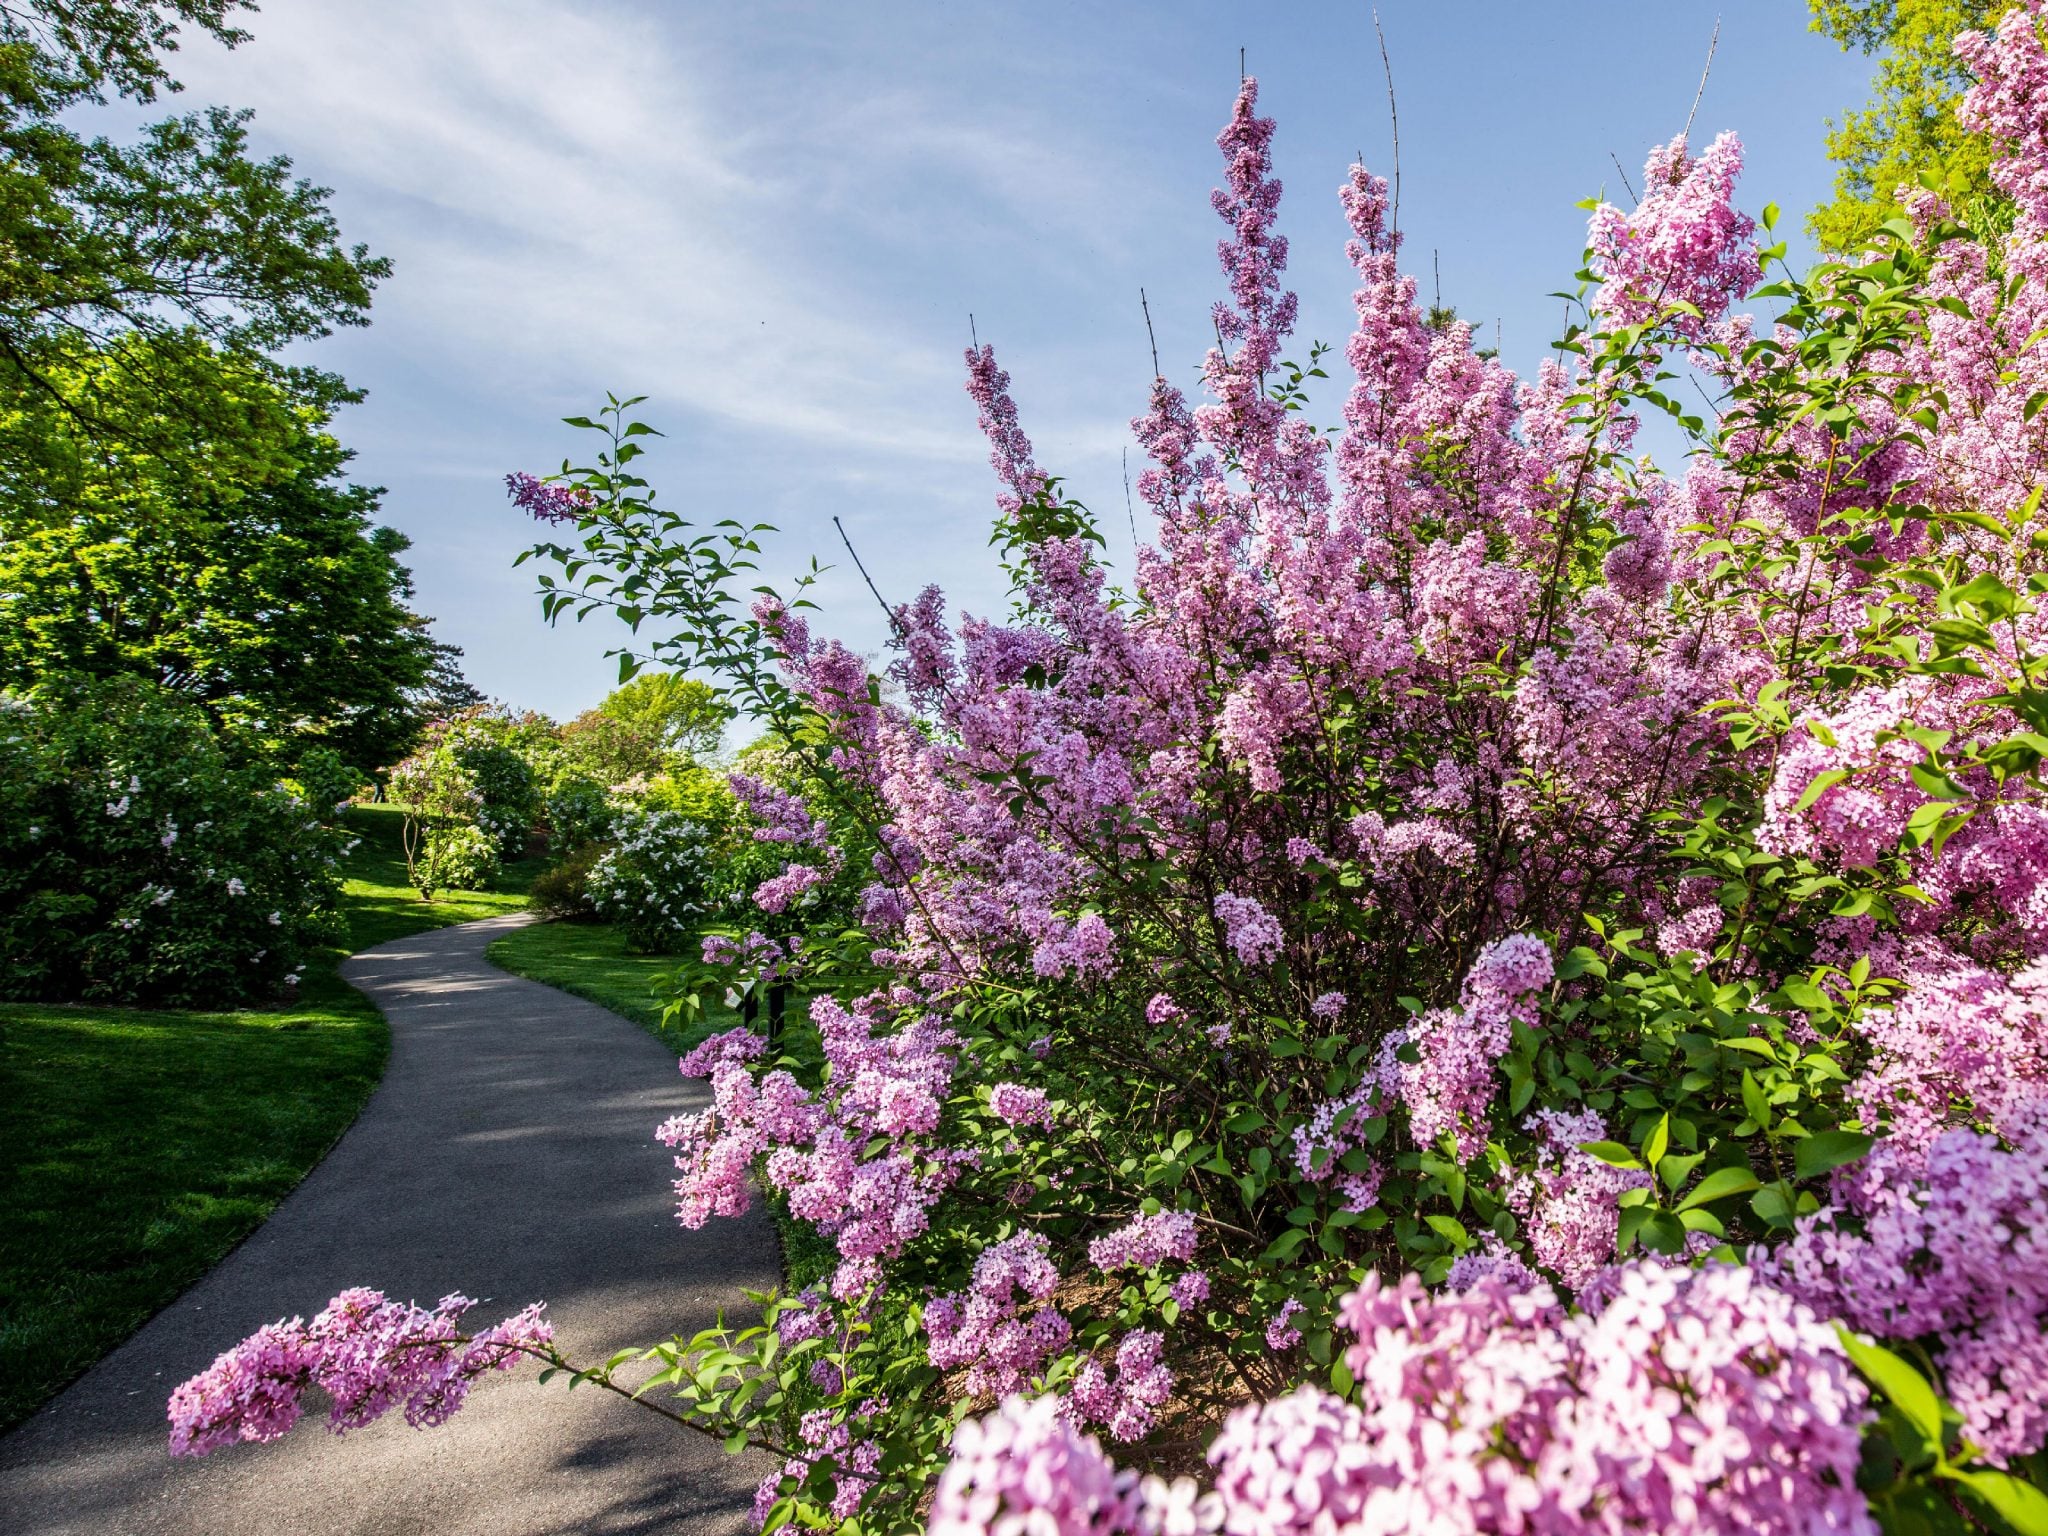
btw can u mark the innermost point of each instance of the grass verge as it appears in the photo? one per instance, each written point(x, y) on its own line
point(138, 1147)
point(591, 961)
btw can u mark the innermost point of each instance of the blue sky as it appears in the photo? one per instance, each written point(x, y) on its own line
point(774, 219)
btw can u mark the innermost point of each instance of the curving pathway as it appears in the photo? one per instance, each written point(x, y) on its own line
point(508, 1154)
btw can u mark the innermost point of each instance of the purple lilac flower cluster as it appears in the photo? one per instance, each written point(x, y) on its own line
point(1692, 1402)
point(547, 502)
point(814, 1143)
point(369, 1355)
point(984, 1330)
point(1145, 1242)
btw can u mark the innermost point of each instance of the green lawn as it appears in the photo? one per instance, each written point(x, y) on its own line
point(592, 961)
point(138, 1147)
point(381, 904)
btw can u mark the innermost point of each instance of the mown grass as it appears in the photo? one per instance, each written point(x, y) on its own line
point(138, 1147)
point(592, 961)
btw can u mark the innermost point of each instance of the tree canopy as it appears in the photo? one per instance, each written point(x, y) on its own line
point(1909, 125)
point(680, 713)
point(172, 504)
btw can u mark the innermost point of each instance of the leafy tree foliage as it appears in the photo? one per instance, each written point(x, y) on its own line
point(170, 503)
point(144, 860)
point(680, 713)
point(278, 606)
point(155, 252)
point(1909, 127)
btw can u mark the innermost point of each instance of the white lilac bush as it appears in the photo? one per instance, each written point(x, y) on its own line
point(650, 880)
point(143, 861)
point(1497, 986)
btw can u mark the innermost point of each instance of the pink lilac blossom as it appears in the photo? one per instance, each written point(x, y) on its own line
point(1281, 1335)
point(1685, 241)
point(1253, 933)
point(369, 1355)
point(1334, 1128)
point(775, 894)
point(1190, 1290)
point(1693, 1403)
point(1449, 1087)
point(546, 502)
point(1125, 1402)
point(1570, 1201)
point(984, 1329)
point(1937, 1233)
point(1015, 1104)
point(1028, 1470)
point(1010, 449)
point(813, 1143)
point(1145, 1242)
point(1494, 1261)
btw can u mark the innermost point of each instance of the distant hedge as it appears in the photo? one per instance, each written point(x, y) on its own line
point(141, 861)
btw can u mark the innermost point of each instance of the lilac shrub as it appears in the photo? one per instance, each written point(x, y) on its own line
point(1609, 900)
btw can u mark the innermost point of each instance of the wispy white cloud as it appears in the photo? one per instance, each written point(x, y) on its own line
point(573, 194)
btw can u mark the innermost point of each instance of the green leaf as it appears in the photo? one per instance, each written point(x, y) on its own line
point(1719, 1185)
point(1662, 1232)
point(1820, 784)
point(1906, 1388)
point(1674, 1169)
point(1287, 1244)
point(1978, 520)
point(1988, 593)
point(1612, 1152)
point(2019, 1504)
point(1659, 1140)
point(1452, 1229)
point(1828, 1149)
point(1801, 993)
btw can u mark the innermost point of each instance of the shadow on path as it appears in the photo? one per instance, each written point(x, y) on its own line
point(508, 1154)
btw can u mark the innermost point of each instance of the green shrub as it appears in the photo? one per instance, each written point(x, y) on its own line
point(579, 812)
point(508, 801)
point(142, 862)
point(563, 890)
point(651, 881)
point(452, 856)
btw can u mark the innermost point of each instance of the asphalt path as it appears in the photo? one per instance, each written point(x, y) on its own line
point(507, 1154)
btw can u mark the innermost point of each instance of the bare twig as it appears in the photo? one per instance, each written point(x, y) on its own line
point(1129, 510)
point(895, 624)
point(1149, 336)
point(1623, 175)
point(1707, 69)
point(976, 340)
point(1436, 268)
point(1393, 114)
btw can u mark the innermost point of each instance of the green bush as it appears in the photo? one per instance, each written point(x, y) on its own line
point(579, 812)
point(453, 856)
point(651, 881)
point(508, 800)
point(563, 890)
point(142, 862)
